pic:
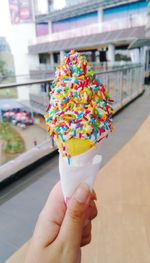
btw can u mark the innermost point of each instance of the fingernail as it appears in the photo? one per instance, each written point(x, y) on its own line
point(67, 199)
point(83, 194)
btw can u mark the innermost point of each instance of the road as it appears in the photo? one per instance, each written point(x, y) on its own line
point(22, 201)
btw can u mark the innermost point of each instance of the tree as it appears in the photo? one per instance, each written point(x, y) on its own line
point(2, 68)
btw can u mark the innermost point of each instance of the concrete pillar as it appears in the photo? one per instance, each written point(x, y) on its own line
point(97, 57)
point(111, 53)
point(100, 19)
point(50, 27)
point(62, 54)
point(143, 55)
point(100, 15)
point(147, 60)
point(135, 55)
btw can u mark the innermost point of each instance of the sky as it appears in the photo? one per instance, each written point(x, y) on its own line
point(58, 4)
point(5, 25)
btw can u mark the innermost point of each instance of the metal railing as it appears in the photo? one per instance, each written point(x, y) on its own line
point(123, 84)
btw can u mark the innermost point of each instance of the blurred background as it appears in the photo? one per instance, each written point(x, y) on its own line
point(35, 35)
point(113, 35)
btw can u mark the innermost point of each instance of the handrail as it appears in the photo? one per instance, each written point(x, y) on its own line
point(48, 80)
point(124, 84)
point(31, 82)
point(119, 69)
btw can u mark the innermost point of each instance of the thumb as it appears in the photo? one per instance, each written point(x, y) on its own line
point(51, 218)
point(73, 223)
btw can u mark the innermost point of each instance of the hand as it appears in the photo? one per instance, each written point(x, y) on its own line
point(61, 231)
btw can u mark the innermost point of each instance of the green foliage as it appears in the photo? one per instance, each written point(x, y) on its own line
point(2, 68)
point(13, 141)
point(8, 93)
point(121, 57)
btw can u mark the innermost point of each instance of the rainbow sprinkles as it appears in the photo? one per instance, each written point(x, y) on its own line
point(79, 105)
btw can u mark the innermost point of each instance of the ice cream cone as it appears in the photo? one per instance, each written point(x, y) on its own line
point(78, 118)
point(83, 168)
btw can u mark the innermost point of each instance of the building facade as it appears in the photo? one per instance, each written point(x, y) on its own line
point(19, 32)
point(101, 29)
point(148, 21)
point(40, 35)
point(6, 59)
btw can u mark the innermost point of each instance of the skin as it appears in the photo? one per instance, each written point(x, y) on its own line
point(62, 230)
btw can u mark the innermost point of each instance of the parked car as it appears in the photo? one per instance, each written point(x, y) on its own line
point(22, 118)
point(8, 115)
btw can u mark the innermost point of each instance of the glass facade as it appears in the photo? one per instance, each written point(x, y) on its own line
point(75, 22)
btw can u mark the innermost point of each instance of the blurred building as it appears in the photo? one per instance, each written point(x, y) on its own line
point(101, 29)
point(42, 31)
point(6, 59)
point(148, 21)
point(147, 42)
point(19, 33)
point(143, 45)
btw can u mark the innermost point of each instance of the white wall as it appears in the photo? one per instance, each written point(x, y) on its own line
point(18, 36)
point(21, 36)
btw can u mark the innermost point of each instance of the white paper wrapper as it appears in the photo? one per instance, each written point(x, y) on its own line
point(83, 168)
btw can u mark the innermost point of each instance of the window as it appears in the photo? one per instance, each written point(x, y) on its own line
point(44, 58)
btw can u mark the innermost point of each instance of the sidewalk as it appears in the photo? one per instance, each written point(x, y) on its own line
point(23, 200)
point(121, 232)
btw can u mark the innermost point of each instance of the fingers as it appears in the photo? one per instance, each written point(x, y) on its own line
point(86, 237)
point(51, 217)
point(55, 221)
point(86, 240)
point(92, 210)
point(72, 227)
point(92, 213)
